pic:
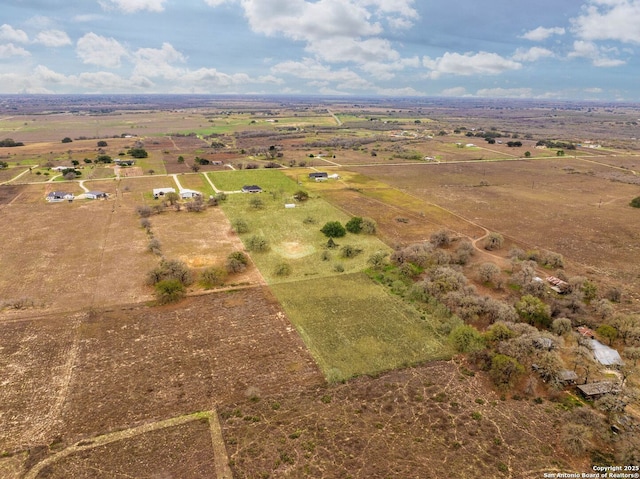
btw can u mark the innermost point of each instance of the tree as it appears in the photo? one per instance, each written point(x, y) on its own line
point(354, 225)
point(440, 238)
point(378, 259)
point(169, 291)
point(256, 203)
point(66, 139)
point(181, 159)
point(466, 339)
point(527, 154)
point(488, 272)
point(172, 198)
point(4, 164)
point(607, 331)
point(369, 226)
point(635, 202)
point(333, 229)
point(102, 144)
point(138, 152)
point(505, 370)
point(282, 269)
point(533, 311)
point(301, 196)
point(494, 241)
point(170, 269)
point(561, 326)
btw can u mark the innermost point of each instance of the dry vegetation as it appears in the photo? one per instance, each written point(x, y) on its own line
point(98, 380)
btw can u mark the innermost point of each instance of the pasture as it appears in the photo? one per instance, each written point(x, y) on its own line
point(353, 326)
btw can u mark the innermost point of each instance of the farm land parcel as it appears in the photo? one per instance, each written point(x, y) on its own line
point(97, 381)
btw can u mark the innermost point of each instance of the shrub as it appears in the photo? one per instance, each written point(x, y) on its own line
point(561, 326)
point(440, 238)
point(144, 211)
point(257, 244)
point(333, 229)
point(154, 246)
point(256, 203)
point(369, 226)
point(170, 269)
point(236, 262)
point(240, 226)
point(533, 311)
point(635, 202)
point(505, 370)
point(212, 277)
point(169, 291)
point(282, 269)
point(348, 251)
point(488, 272)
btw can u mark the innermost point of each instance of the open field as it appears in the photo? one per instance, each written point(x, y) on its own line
point(431, 421)
point(70, 377)
point(353, 326)
point(315, 370)
point(563, 205)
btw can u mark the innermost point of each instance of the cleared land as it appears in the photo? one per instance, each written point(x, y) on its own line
point(353, 326)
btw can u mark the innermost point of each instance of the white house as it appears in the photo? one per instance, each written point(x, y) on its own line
point(158, 192)
point(58, 196)
point(184, 194)
point(95, 195)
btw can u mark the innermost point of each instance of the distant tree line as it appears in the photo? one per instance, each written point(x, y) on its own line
point(8, 142)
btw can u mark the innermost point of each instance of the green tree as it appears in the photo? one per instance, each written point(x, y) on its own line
point(608, 332)
point(138, 152)
point(102, 144)
point(354, 225)
point(505, 370)
point(301, 195)
point(466, 339)
point(181, 159)
point(527, 154)
point(236, 262)
point(533, 311)
point(240, 226)
point(635, 202)
point(333, 229)
point(257, 244)
point(169, 291)
point(66, 139)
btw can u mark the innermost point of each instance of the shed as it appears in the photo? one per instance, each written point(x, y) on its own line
point(158, 192)
point(596, 390)
point(566, 376)
point(604, 354)
point(95, 195)
point(251, 189)
point(290, 205)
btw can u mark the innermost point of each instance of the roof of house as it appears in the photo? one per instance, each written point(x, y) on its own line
point(567, 375)
point(318, 174)
point(60, 194)
point(604, 354)
point(157, 191)
point(595, 389)
point(95, 193)
point(251, 188)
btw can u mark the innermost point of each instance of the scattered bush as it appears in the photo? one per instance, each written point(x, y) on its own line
point(257, 244)
point(349, 251)
point(169, 291)
point(144, 211)
point(154, 246)
point(212, 277)
point(236, 262)
point(368, 226)
point(170, 269)
point(493, 242)
point(635, 202)
point(240, 226)
point(282, 269)
point(440, 238)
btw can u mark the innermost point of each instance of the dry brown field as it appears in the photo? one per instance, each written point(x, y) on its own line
point(71, 377)
point(564, 205)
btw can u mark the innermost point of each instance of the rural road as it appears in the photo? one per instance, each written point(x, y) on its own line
point(19, 175)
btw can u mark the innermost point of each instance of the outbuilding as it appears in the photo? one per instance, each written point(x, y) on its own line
point(251, 189)
point(58, 196)
point(95, 195)
point(158, 192)
point(185, 194)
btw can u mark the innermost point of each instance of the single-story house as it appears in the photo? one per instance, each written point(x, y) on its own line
point(251, 189)
point(125, 162)
point(184, 194)
point(61, 168)
point(158, 192)
point(596, 390)
point(95, 195)
point(57, 196)
point(318, 175)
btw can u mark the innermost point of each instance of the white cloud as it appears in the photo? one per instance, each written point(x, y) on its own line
point(505, 92)
point(133, 6)
point(481, 63)
point(340, 49)
point(98, 50)
point(609, 20)
point(53, 38)
point(10, 50)
point(541, 33)
point(598, 55)
point(10, 34)
point(89, 17)
point(532, 54)
point(593, 90)
point(154, 62)
point(49, 76)
point(455, 91)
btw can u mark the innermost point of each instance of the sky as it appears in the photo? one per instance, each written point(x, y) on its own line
point(543, 49)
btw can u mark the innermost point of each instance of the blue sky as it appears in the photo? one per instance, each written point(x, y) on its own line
point(568, 49)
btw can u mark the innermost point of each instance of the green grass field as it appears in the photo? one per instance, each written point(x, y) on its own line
point(270, 180)
point(353, 326)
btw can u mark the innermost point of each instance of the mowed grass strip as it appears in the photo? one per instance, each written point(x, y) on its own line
point(269, 180)
point(352, 326)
